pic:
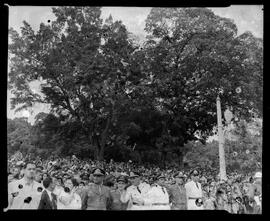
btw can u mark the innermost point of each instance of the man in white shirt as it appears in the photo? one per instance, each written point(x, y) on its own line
point(134, 194)
point(25, 193)
point(194, 192)
point(157, 197)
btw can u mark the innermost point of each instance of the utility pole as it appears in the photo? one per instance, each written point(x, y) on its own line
point(222, 165)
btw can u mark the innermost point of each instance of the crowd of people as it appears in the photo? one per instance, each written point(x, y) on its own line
point(72, 183)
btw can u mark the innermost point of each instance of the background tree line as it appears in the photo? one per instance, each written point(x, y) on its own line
point(112, 98)
point(47, 137)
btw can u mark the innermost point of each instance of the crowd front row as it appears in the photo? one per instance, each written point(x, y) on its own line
point(129, 193)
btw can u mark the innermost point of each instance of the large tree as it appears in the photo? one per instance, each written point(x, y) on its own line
point(162, 95)
point(18, 135)
point(192, 56)
point(82, 63)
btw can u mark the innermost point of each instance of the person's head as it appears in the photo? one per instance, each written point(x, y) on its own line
point(38, 176)
point(161, 180)
point(98, 176)
point(195, 175)
point(81, 185)
point(121, 182)
point(70, 183)
point(30, 170)
point(44, 176)
point(49, 184)
point(134, 178)
point(59, 181)
point(179, 178)
point(16, 171)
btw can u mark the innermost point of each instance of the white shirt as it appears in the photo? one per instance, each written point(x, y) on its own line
point(64, 201)
point(192, 190)
point(132, 193)
point(19, 190)
point(50, 194)
point(57, 190)
point(157, 194)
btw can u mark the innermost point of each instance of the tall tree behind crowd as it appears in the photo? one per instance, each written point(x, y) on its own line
point(193, 55)
point(81, 64)
point(94, 75)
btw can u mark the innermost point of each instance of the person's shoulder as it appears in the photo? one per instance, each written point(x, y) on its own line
point(14, 182)
point(77, 196)
point(90, 186)
point(113, 190)
point(130, 188)
point(188, 183)
point(107, 188)
point(38, 184)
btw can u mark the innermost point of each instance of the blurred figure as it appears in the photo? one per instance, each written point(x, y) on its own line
point(258, 191)
point(194, 192)
point(69, 199)
point(16, 173)
point(177, 193)
point(157, 197)
point(121, 183)
point(44, 176)
point(209, 201)
point(58, 186)
point(25, 193)
point(39, 176)
point(48, 198)
point(134, 194)
point(97, 196)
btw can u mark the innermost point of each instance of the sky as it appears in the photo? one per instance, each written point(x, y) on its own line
point(246, 17)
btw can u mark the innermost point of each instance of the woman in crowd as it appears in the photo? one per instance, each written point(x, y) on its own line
point(68, 198)
point(239, 194)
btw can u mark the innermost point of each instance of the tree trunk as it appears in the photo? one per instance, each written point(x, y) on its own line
point(181, 157)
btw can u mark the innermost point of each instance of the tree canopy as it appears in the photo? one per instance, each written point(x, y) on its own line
point(109, 94)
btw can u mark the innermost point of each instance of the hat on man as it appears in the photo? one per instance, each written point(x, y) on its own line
point(194, 173)
point(99, 172)
point(159, 176)
point(179, 175)
point(133, 174)
point(121, 179)
point(258, 175)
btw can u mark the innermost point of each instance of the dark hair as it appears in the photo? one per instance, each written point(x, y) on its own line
point(74, 181)
point(40, 167)
point(61, 180)
point(47, 181)
point(28, 162)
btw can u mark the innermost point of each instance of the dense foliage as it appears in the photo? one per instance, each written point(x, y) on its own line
point(110, 98)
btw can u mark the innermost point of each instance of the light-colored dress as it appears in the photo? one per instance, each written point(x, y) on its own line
point(193, 192)
point(71, 201)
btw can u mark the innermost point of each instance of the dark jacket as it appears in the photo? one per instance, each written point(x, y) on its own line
point(96, 197)
point(116, 202)
point(177, 197)
point(46, 203)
